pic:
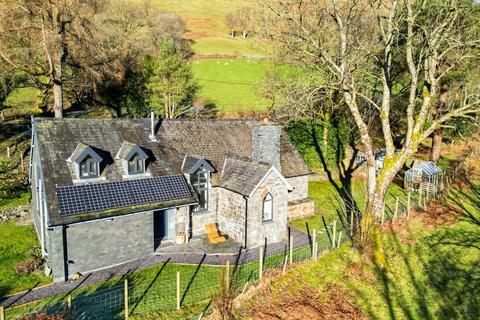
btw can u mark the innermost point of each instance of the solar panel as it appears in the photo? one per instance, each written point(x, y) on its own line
point(111, 195)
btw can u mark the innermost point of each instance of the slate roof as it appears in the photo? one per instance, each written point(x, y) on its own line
point(127, 149)
point(212, 139)
point(243, 174)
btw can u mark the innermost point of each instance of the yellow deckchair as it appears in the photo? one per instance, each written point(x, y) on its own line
point(212, 233)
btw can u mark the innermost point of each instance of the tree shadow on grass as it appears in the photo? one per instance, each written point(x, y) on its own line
point(432, 274)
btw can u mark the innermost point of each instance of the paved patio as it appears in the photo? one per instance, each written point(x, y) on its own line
point(200, 245)
point(217, 254)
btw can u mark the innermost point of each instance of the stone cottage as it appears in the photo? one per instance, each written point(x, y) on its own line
point(106, 192)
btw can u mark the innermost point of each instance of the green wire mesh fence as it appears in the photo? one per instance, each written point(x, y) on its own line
point(167, 291)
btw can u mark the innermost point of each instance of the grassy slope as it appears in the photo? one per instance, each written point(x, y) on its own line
point(231, 84)
point(21, 102)
point(15, 244)
point(327, 202)
point(428, 277)
point(20, 201)
point(205, 20)
point(151, 289)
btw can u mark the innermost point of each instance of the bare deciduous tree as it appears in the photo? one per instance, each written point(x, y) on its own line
point(37, 37)
point(360, 45)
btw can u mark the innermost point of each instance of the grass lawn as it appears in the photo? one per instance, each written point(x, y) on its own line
point(327, 202)
point(20, 201)
point(231, 83)
point(15, 245)
point(430, 275)
point(150, 290)
point(21, 102)
point(229, 46)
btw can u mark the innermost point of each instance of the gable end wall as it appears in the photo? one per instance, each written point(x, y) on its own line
point(272, 231)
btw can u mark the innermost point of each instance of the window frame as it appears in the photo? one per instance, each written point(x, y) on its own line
point(201, 188)
point(270, 201)
point(138, 165)
point(90, 164)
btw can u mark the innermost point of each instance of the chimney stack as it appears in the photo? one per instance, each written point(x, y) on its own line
point(266, 143)
point(151, 136)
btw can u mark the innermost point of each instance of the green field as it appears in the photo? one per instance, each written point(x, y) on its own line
point(231, 84)
point(205, 22)
point(15, 245)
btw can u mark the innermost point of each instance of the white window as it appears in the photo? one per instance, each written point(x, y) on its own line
point(199, 181)
point(267, 208)
point(88, 168)
point(136, 165)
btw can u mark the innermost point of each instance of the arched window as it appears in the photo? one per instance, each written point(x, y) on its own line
point(267, 208)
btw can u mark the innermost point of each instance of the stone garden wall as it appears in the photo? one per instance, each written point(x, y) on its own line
point(299, 209)
point(18, 213)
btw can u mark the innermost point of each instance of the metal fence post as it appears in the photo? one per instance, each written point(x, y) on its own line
point(291, 249)
point(339, 238)
point(125, 302)
point(260, 262)
point(178, 290)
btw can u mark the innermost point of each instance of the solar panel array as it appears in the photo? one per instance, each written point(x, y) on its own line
point(111, 195)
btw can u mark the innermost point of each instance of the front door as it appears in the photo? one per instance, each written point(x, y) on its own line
point(164, 224)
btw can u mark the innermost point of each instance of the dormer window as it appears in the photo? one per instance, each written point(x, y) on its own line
point(136, 165)
point(86, 162)
point(133, 158)
point(198, 170)
point(88, 168)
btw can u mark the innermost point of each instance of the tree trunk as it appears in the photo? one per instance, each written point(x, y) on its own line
point(325, 138)
point(166, 107)
point(436, 145)
point(58, 91)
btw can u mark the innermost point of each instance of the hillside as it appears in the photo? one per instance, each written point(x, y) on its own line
point(431, 273)
point(205, 22)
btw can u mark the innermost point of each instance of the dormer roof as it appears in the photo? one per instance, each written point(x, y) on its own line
point(81, 152)
point(128, 149)
point(192, 164)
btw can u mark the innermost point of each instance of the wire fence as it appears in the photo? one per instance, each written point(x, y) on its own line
point(196, 286)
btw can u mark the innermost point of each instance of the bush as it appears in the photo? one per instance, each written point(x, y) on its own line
point(12, 183)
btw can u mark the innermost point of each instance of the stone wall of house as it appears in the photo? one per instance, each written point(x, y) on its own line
point(299, 209)
point(198, 220)
point(231, 220)
point(100, 243)
point(300, 188)
point(180, 215)
point(272, 231)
